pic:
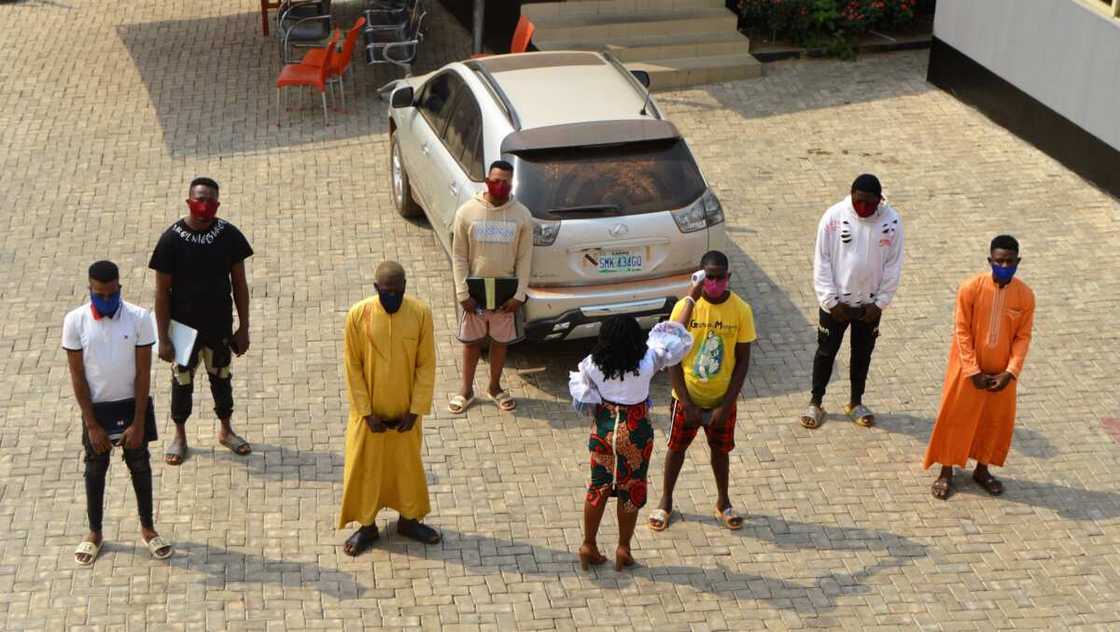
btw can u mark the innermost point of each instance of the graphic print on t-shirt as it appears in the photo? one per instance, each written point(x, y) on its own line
point(710, 357)
point(494, 231)
point(199, 263)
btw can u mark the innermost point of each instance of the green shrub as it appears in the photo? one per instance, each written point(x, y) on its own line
point(829, 24)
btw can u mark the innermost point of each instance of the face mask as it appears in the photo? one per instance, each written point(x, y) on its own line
point(390, 301)
point(499, 190)
point(106, 306)
point(715, 287)
point(865, 209)
point(203, 210)
point(1003, 274)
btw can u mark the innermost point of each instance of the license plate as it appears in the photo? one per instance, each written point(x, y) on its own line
point(620, 261)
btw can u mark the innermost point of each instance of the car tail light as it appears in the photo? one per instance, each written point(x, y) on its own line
point(544, 233)
point(700, 214)
point(713, 211)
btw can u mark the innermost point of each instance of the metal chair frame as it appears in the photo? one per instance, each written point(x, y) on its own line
point(412, 37)
point(286, 8)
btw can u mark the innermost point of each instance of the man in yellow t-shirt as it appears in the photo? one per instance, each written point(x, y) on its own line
point(706, 386)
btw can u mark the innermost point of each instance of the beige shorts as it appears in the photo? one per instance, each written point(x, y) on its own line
point(499, 326)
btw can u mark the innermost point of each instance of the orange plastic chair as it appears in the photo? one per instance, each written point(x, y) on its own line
point(522, 35)
point(341, 61)
point(309, 76)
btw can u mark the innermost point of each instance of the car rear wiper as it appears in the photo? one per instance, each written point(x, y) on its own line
point(588, 208)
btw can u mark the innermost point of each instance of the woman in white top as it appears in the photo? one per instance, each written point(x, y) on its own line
point(612, 385)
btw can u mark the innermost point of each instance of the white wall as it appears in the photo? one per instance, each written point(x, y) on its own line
point(1060, 52)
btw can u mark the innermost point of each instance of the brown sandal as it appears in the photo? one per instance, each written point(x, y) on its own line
point(991, 484)
point(942, 488)
point(590, 557)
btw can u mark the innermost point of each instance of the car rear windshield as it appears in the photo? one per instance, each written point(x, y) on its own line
point(612, 180)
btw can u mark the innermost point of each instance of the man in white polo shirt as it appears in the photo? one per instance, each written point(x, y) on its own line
point(108, 345)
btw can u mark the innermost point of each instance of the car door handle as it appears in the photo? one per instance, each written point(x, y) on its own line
point(424, 148)
point(454, 188)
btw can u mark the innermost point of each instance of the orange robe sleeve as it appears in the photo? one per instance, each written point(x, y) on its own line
point(1022, 341)
point(966, 345)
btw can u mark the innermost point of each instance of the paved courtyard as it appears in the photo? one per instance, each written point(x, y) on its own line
point(107, 109)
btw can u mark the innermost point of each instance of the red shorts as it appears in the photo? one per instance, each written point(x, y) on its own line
point(720, 439)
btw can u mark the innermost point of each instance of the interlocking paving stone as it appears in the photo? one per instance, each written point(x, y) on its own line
point(108, 109)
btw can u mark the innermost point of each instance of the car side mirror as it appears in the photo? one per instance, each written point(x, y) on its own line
point(642, 77)
point(402, 97)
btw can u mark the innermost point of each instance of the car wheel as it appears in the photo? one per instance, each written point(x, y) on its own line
point(400, 188)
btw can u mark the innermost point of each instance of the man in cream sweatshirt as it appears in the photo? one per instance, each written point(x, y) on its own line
point(492, 237)
point(857, 267)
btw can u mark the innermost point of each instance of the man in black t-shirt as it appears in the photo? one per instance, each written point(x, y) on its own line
point(199, 263)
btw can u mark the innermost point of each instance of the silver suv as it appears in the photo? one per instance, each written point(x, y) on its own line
point(622, 213)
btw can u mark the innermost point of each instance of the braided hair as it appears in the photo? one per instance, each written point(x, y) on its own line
point(621, 347)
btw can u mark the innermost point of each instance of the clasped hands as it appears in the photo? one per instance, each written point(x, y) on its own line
point(992, 382)
point(867, 313)
point(470, 305)
point(401, 424)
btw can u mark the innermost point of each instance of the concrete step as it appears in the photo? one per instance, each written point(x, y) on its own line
point(607, 27)
point(647, 47)
point(673, 74)
point(551, 10)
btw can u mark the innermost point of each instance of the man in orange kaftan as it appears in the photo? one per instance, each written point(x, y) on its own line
point(994, 316)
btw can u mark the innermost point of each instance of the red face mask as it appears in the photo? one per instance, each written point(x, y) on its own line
point(865, 209)
point(499, 190)
point(203, 210)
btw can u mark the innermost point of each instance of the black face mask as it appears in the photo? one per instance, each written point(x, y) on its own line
point(390, 301)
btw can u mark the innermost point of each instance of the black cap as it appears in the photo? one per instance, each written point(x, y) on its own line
point(868, 184)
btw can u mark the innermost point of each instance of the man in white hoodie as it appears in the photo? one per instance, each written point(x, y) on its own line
point(856, 270)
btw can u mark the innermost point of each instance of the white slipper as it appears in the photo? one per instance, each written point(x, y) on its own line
point(459, 404)
point(87, 548)
point(155, 544)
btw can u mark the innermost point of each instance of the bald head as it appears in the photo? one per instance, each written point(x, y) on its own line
point(390, 276)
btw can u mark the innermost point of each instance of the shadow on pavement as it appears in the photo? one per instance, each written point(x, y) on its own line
point(280, 463)
point(223, 567)
point(1071, 503)
point(1026, 441)
point(211, 82)
point(484, 554)
point(776, 94)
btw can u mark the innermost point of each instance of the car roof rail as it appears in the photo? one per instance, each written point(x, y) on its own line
point(496, 92)
point(637, 85)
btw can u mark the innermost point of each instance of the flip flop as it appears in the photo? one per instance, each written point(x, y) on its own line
point(459, 404)
point(861, 415)
point(156, 545)
point(812, 417)
point(505, 401)
point(87, 548)
point(361, 541)
point(659, 519)
point(236, 444)
point(730, 518)
point(175, 450)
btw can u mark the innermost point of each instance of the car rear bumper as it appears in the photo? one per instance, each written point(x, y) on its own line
point(576, 312)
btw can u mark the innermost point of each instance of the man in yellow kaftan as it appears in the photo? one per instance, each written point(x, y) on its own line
point(390, 364)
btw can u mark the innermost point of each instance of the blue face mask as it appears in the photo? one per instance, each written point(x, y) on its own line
point(1003, 274)
point(390, 301)
point(106, 306)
